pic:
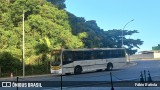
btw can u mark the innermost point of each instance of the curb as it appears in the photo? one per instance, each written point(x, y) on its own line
point(130, 64)
point(14, 77)
point(145, 59)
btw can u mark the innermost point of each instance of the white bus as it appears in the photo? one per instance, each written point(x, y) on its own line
point(75, 61)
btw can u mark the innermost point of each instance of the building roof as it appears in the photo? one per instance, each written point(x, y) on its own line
point(151, 51)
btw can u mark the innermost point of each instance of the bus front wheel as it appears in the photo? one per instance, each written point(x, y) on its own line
point(77, 70)
point(109, 66)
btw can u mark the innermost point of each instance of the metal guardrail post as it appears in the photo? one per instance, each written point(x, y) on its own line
point(17, 83)
point(149, 79)
point(61, 82)
point(141, 77)
point(112, 88)
point(145, 76)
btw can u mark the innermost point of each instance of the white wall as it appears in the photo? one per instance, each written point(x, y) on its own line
point(142, 56)
point(156, 55)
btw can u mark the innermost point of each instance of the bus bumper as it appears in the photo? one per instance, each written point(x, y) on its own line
point(56, 71)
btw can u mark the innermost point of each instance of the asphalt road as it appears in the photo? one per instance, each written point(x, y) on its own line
point(100, 80)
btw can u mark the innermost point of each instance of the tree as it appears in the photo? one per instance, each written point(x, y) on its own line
point(58, 3)
point(8, 62)
point(94, 35)
point(113, 39)
point(98, 38)
point(156, 47)
point(43, 22)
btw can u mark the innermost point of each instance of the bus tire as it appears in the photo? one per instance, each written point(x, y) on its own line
point(77, 70)
point(109, 67)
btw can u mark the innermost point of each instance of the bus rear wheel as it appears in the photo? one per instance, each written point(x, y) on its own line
point(77, 70)
point(109, 67)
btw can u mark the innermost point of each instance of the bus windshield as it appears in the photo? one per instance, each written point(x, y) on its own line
point(55, 59)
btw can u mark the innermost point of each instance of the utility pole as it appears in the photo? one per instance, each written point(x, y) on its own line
point(23, 52)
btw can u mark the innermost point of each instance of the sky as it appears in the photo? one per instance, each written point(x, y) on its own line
point(114, 14)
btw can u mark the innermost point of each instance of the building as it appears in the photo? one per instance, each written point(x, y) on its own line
point(153, 54)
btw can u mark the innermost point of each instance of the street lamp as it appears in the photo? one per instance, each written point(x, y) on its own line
point(123, 30)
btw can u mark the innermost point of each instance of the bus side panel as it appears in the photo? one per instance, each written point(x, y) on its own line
point(68, 68)
point(118, 62)
point(100, 64)
point(83, 64)
point(90, 65)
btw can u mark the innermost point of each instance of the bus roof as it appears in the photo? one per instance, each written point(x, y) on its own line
point(90, 49)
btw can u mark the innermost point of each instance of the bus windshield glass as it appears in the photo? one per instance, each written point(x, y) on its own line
point(55, 59)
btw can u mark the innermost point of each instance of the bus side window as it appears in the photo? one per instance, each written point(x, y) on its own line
point(93, 55)
point(119, 53)
point(101, 54)
point(78, 55)
point(115, 54)
point(111, 54)
point(122, 53)
point(67, 56)
point(86, 55)
point(105, 54)
point(98, 54)
point(73, 56)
